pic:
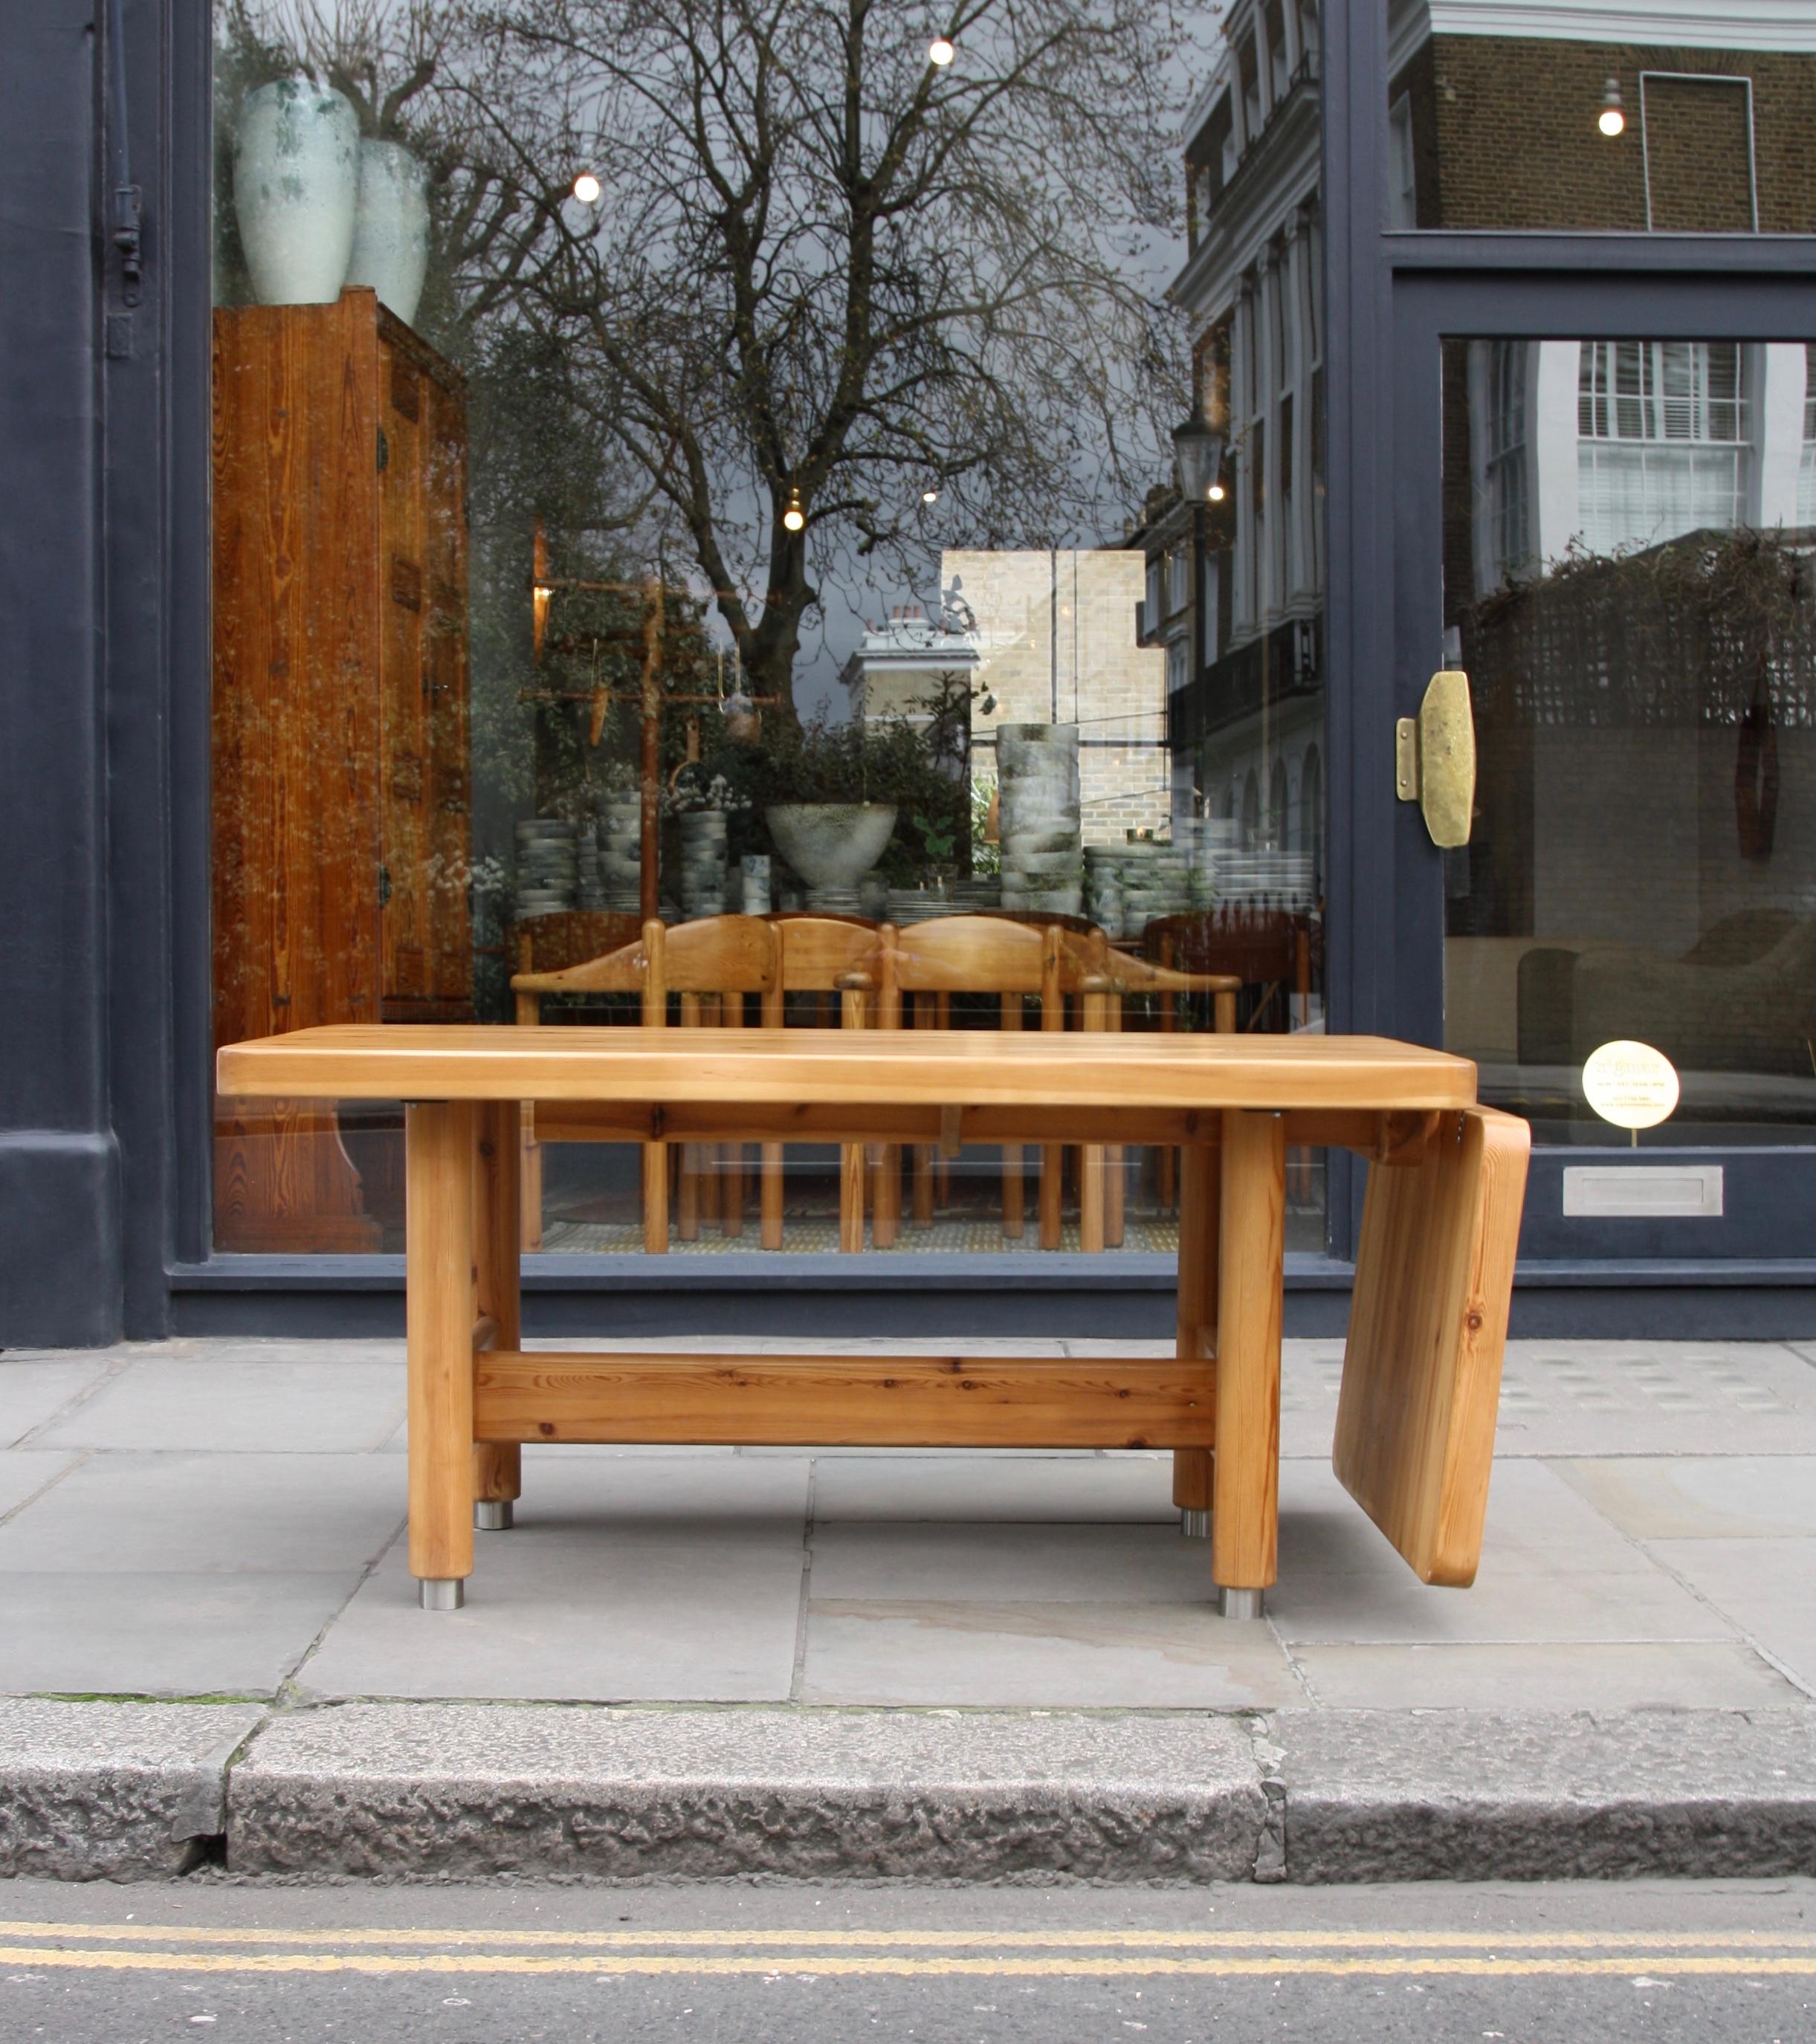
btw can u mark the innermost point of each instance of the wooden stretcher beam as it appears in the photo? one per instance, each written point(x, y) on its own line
point(930, 1401)
point(1392, 1138)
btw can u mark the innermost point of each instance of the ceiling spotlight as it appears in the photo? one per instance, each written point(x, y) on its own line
point(1215, 493)
point(941, 50)
point(930, 497)
point(587, 189)
point(1612, 120)
point(794, 517)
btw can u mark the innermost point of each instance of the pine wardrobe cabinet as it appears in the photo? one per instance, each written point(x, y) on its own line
point(341, 803)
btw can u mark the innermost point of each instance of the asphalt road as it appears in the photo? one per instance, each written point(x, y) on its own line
point(205, 1957)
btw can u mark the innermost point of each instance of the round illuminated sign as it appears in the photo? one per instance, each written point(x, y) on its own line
point(1631, 1085)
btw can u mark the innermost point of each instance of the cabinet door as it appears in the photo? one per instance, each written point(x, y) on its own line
point(448, 821)
point(404, 601)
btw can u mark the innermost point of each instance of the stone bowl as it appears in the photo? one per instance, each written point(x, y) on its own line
point(831, 844)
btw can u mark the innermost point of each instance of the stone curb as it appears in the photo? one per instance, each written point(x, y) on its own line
point(113, 1792)
point(1544, 1795)
point(472, 1790)
point(446, 1791)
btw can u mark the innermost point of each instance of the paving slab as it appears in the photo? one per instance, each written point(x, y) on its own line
point(1544, 1796)
point(1110, 1654)
point(159, 1633)
point(475, 1791)
point(132, 1513)
point(24, 1472)
point(113, 1791)
point(1565, 1675)
point(1689, 1497)
point(1766, 1589)
point(229, 1404)
point(968, 1562)
point(666, 1581)
point(35, 1387)
point(1057, 1489)
point(1552, 1570)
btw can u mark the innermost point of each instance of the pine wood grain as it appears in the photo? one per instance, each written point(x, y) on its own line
point(974, 1068)
point(497, 1201)
point(1252, 1245)
point(1428, 1325)
point(439, 1317)
point(937, 1400)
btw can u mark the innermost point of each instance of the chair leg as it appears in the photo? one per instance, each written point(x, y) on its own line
point(1014, 1183)
point(731, 1154)
point(770, 1198)
point(886, 1223)
point(1201, 1188)
point(530, 1180)
point(1115, 1156)
point(655, 1198)
point(498, 1466)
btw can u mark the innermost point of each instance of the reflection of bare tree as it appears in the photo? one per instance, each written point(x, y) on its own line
point(821, 265)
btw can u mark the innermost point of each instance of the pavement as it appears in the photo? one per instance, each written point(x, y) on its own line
point(895, 1665)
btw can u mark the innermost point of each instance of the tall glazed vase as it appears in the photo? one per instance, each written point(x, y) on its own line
point(296, 190)
point(391, 232)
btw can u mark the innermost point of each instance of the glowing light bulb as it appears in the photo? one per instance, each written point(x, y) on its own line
point(795, 516)
point(1215, 493)
point(1612, 120)
point(587, 188)
point(941, 50)
point(930, 497)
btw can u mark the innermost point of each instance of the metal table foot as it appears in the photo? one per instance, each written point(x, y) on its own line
point(1240, 1604)
point(441, 1592)
point(493, 1514)
point(1194, 1525)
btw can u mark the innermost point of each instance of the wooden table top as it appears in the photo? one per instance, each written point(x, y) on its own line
point(840, 1067)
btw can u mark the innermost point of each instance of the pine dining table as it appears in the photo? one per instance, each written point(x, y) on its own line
point(1433, 1284)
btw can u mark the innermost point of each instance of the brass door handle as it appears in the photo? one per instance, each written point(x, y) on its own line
point(1434, 758)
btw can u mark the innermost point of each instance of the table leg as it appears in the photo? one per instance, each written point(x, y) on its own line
point(498, 1466)
point(1200, 1192)
point(438, 1261)
point(1252, 1234)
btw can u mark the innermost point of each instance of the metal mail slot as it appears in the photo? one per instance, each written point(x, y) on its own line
point(1643, 1192)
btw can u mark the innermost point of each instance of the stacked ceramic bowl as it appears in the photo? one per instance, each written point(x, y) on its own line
point(1037, 770)
point(1266, 880)
point(1103, 886)
point(1154, 883)
point(922, 905)
point(978, 897)
point(621, 853)
point(703, 833)
point(548, 866)
point(589, 892)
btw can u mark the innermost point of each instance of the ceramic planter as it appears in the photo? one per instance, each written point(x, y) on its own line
point(391, 232)
point(831, 844)
point(296, 191)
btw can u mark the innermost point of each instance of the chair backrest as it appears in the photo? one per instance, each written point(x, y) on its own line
point(620, 971)
point(717, 954)
point(821, 953)
point(973, 954)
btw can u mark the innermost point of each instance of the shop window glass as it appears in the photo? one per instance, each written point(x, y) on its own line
point(1643, 862)
point(579, 562)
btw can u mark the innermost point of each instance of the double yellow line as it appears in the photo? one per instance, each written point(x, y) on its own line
point(1026, 1954)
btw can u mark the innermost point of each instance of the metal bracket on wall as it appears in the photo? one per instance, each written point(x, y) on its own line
point(1434, 758)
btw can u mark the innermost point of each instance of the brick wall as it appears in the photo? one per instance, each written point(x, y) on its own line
point(1113, 688)
point(1505, 135)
